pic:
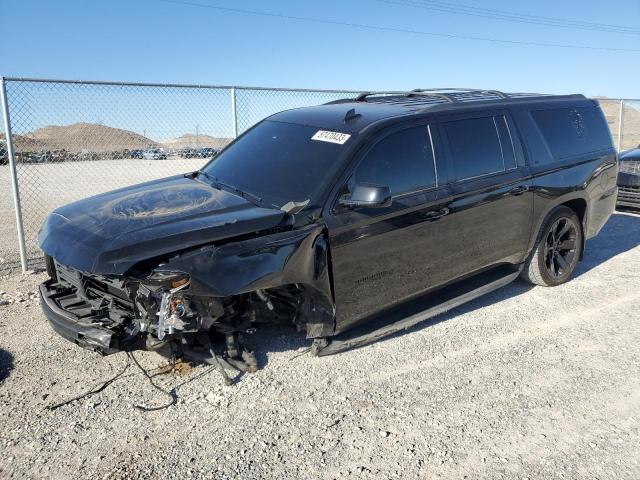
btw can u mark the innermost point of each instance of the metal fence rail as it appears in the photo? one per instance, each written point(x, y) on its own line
point(66, 140)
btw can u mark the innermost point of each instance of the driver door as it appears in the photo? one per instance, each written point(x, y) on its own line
point(382, 255)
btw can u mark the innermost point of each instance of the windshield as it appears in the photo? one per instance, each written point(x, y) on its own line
point(278, 161)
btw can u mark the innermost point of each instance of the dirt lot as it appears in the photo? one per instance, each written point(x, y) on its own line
point(526, 382)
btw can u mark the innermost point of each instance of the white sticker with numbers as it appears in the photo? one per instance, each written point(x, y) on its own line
point(331, 137)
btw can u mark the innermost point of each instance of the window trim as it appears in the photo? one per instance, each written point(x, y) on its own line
point(495, 125)
point(513, 146)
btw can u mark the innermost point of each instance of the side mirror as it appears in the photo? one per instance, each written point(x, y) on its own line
point(367, 195)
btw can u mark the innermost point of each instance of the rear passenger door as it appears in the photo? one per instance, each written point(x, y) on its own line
point(488, 192)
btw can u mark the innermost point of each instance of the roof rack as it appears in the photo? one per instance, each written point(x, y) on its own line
point(450, 95)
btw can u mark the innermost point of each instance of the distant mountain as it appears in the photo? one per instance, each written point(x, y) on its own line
point(191, 140)
point(85, 136)
point(22, 143)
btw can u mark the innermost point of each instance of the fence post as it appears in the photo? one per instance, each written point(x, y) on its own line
point(234, 112)
point(620, 120)
point(14, 175)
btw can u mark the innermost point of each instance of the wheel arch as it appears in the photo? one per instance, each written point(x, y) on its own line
point(578, 204)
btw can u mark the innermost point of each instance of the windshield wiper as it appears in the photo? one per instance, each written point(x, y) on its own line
point(249, 196)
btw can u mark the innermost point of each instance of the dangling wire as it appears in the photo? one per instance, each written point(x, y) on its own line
point(170, 393)
point(95, 390)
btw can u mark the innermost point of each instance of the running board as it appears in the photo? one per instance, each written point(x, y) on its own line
point(441, 302)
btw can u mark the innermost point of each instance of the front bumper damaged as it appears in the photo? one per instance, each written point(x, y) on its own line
point(84, 334)
point(197, 297)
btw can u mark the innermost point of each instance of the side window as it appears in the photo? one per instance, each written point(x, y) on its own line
point(403, 161)
point(572, 131)
point(475, 147)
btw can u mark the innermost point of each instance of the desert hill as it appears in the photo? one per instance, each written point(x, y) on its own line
point(190, 140)
point(22, 143)
point(88, 136)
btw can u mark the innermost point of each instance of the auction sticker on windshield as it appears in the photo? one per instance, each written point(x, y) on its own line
point(331, 137)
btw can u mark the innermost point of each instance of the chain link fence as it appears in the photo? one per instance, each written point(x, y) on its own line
point(623, 117)
point(75, 139)
point(72, 140)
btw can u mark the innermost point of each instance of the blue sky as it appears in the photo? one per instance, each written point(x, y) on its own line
point(151, 40)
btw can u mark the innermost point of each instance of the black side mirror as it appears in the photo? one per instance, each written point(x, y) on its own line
point(367, 195)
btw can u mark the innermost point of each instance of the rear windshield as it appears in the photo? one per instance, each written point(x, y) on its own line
point(277, 161)
point(573, 131)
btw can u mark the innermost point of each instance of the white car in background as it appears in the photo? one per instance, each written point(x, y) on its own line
point(154, 154)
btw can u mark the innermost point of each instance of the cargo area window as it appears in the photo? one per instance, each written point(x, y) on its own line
point(572, 130)
point(479, 146)
point(403, 161)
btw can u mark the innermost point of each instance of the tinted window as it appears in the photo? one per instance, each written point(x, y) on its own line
point(475, 147)
point(278, 161)
point(572, 131)
point(403, 161)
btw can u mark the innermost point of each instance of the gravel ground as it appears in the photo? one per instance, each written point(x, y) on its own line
point(526, 382)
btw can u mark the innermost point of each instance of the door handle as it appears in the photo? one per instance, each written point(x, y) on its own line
point(435, 214)
point(519, 190)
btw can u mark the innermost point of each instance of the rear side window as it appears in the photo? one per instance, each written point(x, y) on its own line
point(572, 131)
point(403, 161)
point(477, 146)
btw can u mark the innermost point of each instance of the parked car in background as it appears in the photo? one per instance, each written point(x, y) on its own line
point(207, 152)
point(135, 153)
point(154, 154)
point(188, 153)
point(629, 178)
point(4, 158)
point(331, 217)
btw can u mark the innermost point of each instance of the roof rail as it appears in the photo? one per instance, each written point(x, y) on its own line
point(449, 94)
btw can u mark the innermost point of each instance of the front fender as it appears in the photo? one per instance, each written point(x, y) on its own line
point(270, 261)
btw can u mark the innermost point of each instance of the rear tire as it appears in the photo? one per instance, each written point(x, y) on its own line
point(557, 249)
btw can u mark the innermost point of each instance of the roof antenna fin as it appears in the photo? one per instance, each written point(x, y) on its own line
point(351, 115)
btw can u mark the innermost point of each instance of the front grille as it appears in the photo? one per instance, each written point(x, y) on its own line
point(629, 194)
point(88, 295)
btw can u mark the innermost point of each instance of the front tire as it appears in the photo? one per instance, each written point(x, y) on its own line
point(557, 249)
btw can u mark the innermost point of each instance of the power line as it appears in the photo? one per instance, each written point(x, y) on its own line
point(461, 9)
point(396, 29)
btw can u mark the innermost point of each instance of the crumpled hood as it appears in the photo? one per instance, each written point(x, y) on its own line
point(111, 232)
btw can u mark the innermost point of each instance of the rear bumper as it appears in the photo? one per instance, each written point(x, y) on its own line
point(67, 325)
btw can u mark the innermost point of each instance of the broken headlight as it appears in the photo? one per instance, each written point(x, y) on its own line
point(166, 291)
point(161, 278)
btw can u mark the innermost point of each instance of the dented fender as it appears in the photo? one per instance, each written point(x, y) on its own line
point(298, 257)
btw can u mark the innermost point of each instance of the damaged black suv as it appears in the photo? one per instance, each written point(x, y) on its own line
point(375, 212)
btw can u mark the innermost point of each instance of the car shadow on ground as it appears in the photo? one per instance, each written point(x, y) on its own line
point(620, 234)
point(6, 364)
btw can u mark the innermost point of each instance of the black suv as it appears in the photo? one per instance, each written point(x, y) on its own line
point(387, 206)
